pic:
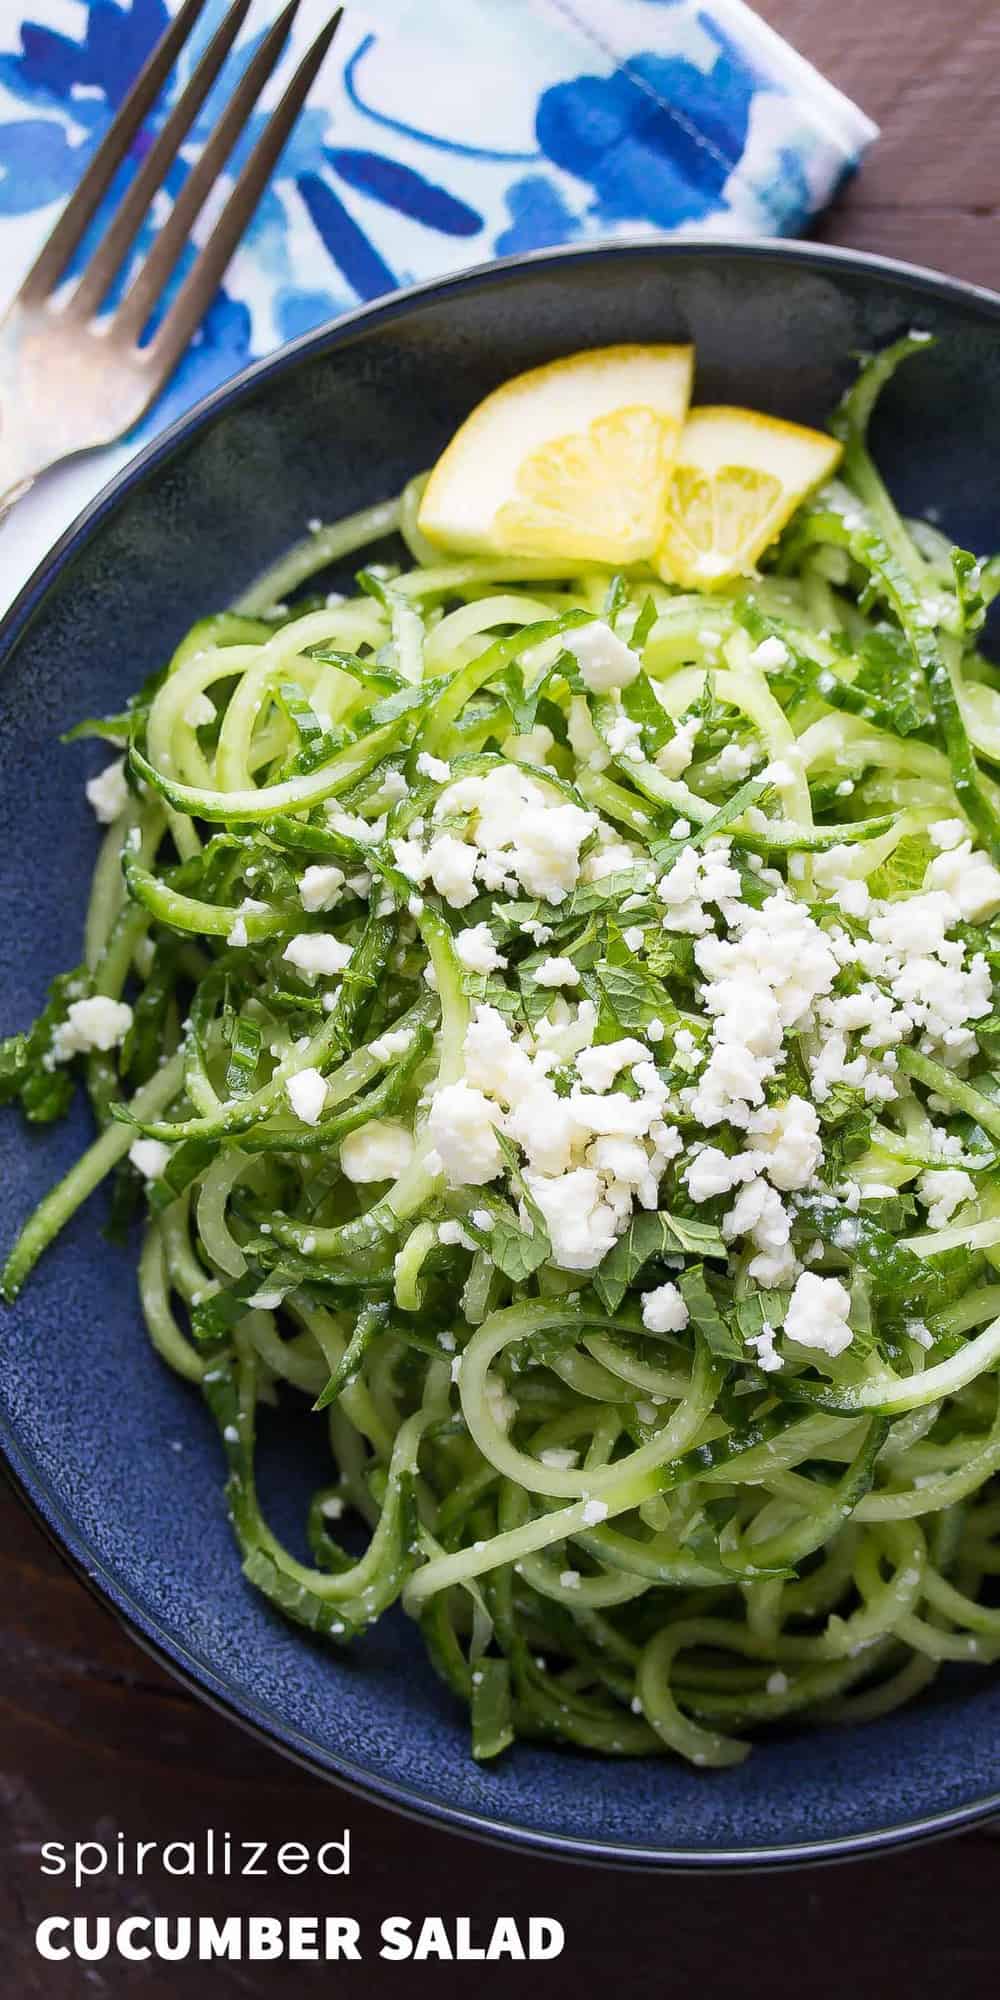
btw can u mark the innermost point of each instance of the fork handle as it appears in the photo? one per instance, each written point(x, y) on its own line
point(20, 461)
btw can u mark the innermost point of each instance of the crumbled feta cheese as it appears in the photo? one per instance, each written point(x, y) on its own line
point(462, 1129)
point(713, 1172)
point(696, 879)
point(623, 738)
point(780, 772)
point(582, 1226)
point(557, 972)
point(546, 1128)
point(532, 747)
point(493, 1060)
point(200, 711)
point(618, 1115)
point(759, 1213)
point(818, 1314)
point(593, 1512)
point(545, 854)
point(517, 832)
point(306, 1093)
point(946, 833)
point(539, 933)
point(108, 792)
point(676, 755)
point(942, 998)
point(769, 655)
point(766, 1355)
point(942, 1190)
point(410, 859)
point(735, 759)
point(633, 937)
point(759, 982)
point(151, 1157)
point(433, 767)
point(392, 789)
point(239, 936)
point(605, 662)
point(789, 1136)
point(969, 878)
point(451, 865)
point(315, 953)
point(664, 1310)
point(453, 1236)
point(476, 949)
point(320, 886)
point(96, 1023)
point(570, 1579)
point(353, 827)
point(914, 925)
point(558, 1459)
point(378, 1151)
point(609, 860)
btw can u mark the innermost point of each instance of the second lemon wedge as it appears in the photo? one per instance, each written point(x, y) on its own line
point(736, 480)
point(569, 460)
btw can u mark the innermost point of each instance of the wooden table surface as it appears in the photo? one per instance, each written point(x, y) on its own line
point(94, 1737)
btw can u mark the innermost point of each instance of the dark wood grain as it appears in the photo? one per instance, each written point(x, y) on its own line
point(929, 190)
point(94, 1737)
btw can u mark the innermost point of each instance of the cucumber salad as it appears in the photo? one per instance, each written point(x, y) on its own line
point(542, 1000)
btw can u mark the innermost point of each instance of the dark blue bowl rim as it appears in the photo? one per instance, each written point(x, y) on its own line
point(35, 1491)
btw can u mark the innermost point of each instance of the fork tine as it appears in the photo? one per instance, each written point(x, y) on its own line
point(142, 295)
point(127, 221)
point(201, 283)
point(49, 266)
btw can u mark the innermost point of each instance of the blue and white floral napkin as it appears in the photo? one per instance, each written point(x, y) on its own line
point(439, 134)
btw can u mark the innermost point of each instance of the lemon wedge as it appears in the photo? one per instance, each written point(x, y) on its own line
point(737, 477)
point(570, 460)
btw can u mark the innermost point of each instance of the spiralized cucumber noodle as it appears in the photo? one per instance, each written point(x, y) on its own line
point(667, 1414)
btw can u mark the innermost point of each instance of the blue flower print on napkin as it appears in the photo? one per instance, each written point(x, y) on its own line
point(438, 134)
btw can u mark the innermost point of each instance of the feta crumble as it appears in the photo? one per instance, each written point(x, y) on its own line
point(150, 1156)
point(95, 1023)
point(605, 662)
point(108, 792)
point(306, 1093)
point(462, 1126)
point(943, 1190)
point(477, 951)
point(433, 767)
point(320, 887)
point(378, 1151)
point(664, 1310)
point(818, 1314)
point(316, 953)
point(556, 972)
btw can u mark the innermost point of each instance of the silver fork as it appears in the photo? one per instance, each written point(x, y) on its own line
point(69, 380)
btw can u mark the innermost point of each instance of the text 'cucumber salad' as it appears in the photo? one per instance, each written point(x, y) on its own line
point(545, 1004)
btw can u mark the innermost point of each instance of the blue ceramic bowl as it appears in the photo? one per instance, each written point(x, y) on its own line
point(119, 1458)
